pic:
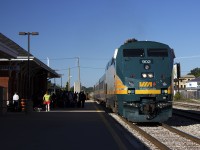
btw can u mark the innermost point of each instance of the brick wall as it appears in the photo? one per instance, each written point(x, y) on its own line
point(4, 84)
point(4, 81)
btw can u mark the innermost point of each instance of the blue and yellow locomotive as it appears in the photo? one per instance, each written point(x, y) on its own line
point(138, 81)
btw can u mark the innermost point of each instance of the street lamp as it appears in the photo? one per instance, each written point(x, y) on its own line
point(29, 85)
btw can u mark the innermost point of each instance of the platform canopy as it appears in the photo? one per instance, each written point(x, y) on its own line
point(10, 51)
point(6, 52)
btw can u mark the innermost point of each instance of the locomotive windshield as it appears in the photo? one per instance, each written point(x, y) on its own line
point(133, 52)
point(157, 52)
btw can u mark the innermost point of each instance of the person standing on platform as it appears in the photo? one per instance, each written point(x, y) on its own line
point(47, 101)
point(82, 98)
point(16, 101)
point(53, 100)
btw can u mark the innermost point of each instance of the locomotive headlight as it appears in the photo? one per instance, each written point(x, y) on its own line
point(146, 66)
point(150, 75)
point(131, 91)
point(164, 91)
point(144, 75)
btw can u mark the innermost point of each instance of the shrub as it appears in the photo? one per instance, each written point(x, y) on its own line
point(177, 96)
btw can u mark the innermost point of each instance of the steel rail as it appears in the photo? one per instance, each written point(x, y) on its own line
point(183, 134)
point(187, 105)
point(153, 140)
point(186, 114)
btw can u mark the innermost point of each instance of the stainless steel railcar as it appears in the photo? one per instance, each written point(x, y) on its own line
point(137, 83)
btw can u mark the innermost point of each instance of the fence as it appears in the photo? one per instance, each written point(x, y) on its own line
point(190, 94)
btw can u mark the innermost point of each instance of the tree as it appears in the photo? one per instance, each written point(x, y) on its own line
point(87, 90)
point(195, 72)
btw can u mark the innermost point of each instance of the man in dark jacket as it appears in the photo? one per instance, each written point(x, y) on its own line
point(82, 98)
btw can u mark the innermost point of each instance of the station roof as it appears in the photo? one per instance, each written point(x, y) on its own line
point(6, 52)
point(11, 51)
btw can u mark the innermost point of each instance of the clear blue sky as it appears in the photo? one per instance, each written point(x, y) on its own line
point(92, 29)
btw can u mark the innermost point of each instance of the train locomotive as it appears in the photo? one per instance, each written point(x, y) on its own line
point(138, 81)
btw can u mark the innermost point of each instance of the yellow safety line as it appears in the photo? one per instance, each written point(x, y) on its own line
point(117, 139)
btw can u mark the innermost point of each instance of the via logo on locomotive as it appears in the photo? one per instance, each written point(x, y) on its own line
point(145, 84)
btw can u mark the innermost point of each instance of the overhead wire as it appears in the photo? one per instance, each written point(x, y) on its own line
point(82, 58)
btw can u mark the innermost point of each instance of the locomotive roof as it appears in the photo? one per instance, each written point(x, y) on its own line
point(131, 41)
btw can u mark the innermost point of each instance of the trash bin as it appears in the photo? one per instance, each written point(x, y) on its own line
point(23, 104)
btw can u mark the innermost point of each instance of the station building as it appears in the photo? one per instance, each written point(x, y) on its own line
point(14, 73)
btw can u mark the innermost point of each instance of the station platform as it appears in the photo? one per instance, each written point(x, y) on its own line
point(64, 129)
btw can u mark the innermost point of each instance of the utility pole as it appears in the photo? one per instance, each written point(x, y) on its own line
point(79, 76)
point(78, 84)
point(69, 79)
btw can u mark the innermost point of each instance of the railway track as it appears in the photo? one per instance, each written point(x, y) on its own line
point(160, 136)
point(187, 110)
point(189, 114)
point(190, 106)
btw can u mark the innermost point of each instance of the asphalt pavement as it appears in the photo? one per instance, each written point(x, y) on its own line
point(86, 128)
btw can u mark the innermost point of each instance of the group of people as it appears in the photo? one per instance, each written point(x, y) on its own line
point(66, 99)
